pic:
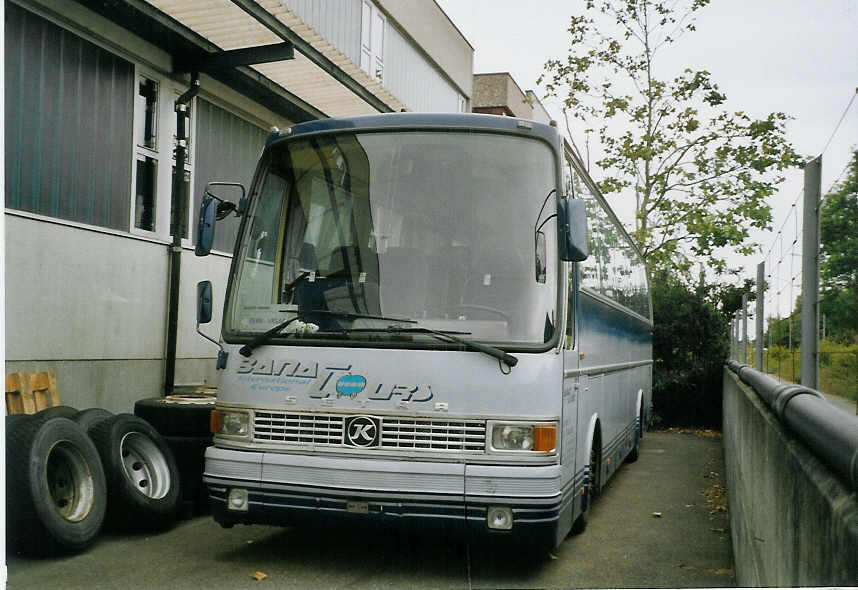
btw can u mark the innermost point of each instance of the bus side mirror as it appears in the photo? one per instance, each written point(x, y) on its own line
point(205, 227)
point(204, 302)
point(572, 230)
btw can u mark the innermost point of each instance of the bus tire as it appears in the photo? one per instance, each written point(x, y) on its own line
point(55, 412)
point(592, 488)
point(88, 418)
point(177, 415)
point(14, 420)
point(634, 454)
point(142, 476)
point(190, 452)
point(56, 495)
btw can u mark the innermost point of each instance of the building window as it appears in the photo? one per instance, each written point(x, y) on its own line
point(146, 140)
point(147, 105)
point(155, 153)
point(372, 41)
point(145, 193)
point(186, 179)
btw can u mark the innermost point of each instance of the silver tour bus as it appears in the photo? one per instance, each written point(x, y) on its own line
point(428, 318)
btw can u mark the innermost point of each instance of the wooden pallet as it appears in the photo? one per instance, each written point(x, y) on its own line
point(27, 393)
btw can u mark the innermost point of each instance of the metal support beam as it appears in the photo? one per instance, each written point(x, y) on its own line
point(810, 272)
point(270, 22)
point(761, 291)
point(158, 28)
point(233, 58)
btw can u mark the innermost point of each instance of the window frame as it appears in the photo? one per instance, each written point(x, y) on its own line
point(372, 18)
point(163, 155)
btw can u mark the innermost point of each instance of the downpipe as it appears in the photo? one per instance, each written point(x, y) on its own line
point(830, 432)
point(179, 215)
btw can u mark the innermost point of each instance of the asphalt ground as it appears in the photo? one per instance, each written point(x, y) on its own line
point(661, 522)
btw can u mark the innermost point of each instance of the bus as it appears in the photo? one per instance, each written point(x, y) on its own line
point(428, 318)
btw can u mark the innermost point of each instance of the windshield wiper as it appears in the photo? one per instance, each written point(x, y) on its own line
point(247, 349)
point(448, 336)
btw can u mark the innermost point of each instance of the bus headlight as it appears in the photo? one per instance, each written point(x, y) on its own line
point(230, 423)
point(518, 436)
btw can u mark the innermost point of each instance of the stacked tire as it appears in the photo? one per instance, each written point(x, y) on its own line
point(69, 472)
point(56, 494)
point(183, 421)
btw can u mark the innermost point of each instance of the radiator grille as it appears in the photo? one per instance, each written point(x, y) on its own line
point(396, 432)
point(435, 435)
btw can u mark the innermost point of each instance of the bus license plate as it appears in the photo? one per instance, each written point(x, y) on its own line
point(357, 507)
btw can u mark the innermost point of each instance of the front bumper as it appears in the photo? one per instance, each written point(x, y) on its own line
point(284, 488)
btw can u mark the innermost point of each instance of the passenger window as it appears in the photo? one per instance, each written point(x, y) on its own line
point(613, 268)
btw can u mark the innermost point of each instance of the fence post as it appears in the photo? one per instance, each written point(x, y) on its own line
point(810, 273)
point(744, 328)
point(761, 277)
point(734, 336)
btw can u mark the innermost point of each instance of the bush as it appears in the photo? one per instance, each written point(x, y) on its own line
point(690, 348)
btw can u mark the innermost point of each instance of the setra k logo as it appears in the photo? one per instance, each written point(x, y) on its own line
point(362, 431)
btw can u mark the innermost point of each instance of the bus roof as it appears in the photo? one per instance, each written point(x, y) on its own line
point(418, 121)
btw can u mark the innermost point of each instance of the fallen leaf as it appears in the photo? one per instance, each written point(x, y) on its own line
point(689, 505)
point(258, 576)
point(723, 572)
point(717, 530)
point(656, 514)
point(685, 566)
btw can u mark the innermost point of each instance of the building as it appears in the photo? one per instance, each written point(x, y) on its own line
point(90, 132)
point(499, 94)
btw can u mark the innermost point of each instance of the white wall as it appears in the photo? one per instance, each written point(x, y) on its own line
point(92, 305)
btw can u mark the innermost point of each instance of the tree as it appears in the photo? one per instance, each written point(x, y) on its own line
point(839, 256)
point(689, 346)
point(700, 176)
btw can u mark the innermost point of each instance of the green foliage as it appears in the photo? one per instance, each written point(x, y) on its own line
point(839, 257)
point(728, 298)
point(778, 354)
point(690, 347)
point(701, 176)
point(839, 308)
point(838, 366)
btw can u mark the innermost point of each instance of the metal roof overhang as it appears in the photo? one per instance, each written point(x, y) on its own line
point(317, 83)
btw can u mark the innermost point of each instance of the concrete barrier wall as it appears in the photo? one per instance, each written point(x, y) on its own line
point(793, 521)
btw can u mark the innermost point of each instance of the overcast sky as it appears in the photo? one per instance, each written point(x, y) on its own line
point(795, 56)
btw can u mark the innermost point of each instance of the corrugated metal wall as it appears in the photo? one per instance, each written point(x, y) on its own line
point(412, 79)
point(69, 112)
point(338, 22)
point(228, 148)
point(407, 74)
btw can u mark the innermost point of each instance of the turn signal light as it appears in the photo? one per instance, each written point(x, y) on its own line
point(215, 421)
point(544, 437)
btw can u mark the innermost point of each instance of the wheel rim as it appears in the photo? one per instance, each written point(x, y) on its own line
point(70, 482)
point(145, 465)
point(592, 488)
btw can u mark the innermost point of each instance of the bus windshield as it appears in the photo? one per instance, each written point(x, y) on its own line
point(449, 229)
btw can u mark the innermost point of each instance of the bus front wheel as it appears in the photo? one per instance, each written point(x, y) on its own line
point(592, 489)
